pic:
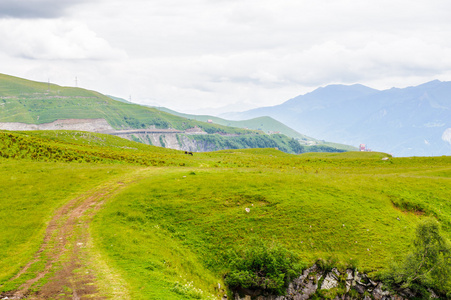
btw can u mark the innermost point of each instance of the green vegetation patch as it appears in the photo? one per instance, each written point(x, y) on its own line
point(427, 265)
point(262, 268)
point(30, 193)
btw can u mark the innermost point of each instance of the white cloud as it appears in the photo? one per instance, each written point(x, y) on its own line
point(446, 136)
point(36, 8)
point(54, 40)
point(211, 53)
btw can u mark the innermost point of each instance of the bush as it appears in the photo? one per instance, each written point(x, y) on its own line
point(262, 268)
point(428, 265)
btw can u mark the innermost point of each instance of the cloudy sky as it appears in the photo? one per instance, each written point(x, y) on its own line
point(202, 55)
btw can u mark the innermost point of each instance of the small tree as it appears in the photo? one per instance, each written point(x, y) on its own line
point(429, 263)
point(262, 268)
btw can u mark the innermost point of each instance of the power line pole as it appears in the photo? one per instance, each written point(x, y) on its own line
point(76, 81)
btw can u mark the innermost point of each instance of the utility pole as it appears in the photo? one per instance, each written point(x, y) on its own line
point(130, 98)
point(48, 85)
point(76, 81)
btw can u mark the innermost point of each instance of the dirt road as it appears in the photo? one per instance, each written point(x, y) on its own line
point(70, 267)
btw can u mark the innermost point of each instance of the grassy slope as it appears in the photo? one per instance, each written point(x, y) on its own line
point(266, 124)
point(36, 103)
point(317, 208)
point(168, 234)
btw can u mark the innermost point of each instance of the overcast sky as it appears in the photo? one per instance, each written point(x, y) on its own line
point(191, 55)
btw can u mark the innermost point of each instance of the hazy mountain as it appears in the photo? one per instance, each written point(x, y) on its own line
point(406, 122)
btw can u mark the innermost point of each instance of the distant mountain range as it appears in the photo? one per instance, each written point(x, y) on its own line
point(413, 121)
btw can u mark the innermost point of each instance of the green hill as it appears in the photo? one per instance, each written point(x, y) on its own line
point(37, 103)
point(99, 216)
point(266, 124)
point(32, 102)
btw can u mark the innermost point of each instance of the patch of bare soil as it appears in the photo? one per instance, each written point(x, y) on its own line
point(67, 272)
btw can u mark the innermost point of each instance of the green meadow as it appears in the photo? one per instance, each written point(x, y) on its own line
point(169, 234)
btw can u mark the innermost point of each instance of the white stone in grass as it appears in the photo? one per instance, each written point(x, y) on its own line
point(247, 209)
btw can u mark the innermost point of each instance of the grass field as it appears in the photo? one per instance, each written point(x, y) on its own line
point(168, 233)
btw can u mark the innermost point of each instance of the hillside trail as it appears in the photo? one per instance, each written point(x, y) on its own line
point(72, 267)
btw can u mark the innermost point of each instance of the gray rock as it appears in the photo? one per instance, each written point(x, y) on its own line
point(349, 279)
point(330, 282)
point(306, 285)
point(379, 293)
point(349, 274)
point(360, 288)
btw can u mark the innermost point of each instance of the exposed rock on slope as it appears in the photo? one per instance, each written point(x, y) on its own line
point(314, 282)
point(93, 125)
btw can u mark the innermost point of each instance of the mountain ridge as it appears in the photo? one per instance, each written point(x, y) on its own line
point(400, 121)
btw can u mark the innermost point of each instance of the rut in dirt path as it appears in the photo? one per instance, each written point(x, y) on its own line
point(65, 250)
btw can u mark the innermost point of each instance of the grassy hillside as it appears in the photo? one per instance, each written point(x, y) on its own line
point(167, 233)
point(37, 103)
point(266, 124)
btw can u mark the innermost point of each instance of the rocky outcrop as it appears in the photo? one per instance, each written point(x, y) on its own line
point(178, 141)
point(92, 125)
point(168, 138)
point(342, 286)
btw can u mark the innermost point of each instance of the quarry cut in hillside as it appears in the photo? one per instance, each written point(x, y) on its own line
point(193, 139)
point(92, 125)
point(168, 138)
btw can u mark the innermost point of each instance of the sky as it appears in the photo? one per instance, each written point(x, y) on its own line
point(212, 56)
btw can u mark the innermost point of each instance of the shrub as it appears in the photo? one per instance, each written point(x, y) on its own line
point(262, 268)
point(428, 265)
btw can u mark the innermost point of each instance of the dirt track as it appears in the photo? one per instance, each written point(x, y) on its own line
point(66, 252)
